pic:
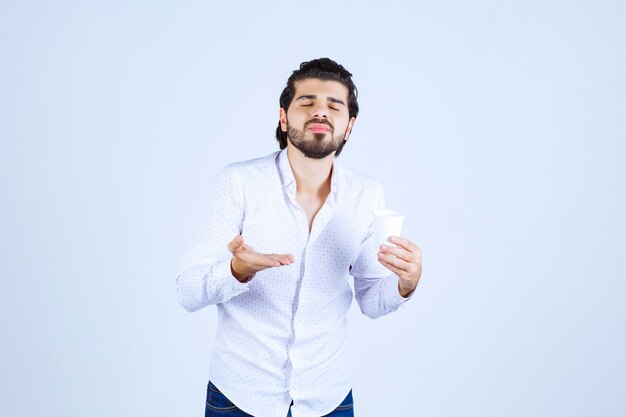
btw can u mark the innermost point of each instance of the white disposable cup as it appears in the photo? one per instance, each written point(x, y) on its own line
point(387, 223)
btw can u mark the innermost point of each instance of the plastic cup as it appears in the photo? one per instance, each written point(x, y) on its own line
point(387, 223)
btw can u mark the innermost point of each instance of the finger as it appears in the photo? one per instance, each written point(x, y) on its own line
point(286, 259)
point(405, 243)
point(268, 261)
point(396, 262)
point(236, 243)
point(398, 252)
point(389, 266)
point(283, 259)
point(264, 261)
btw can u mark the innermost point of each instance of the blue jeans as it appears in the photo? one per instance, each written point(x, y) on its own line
point(217, 405)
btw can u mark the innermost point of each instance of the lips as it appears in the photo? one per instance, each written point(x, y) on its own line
point(319, 127)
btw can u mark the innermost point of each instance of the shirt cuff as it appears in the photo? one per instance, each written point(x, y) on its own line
point(392, 293)
point(229, 285)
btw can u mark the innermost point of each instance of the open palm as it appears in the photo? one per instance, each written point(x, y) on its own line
point(247, 262)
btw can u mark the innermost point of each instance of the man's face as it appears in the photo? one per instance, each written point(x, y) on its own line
point(317, 121)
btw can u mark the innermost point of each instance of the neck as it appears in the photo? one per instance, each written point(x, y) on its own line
point(312, 175)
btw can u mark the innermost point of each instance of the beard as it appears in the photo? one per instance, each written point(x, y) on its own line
point(319, 147)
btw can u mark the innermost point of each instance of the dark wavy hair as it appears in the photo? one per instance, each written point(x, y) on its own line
point(324, 69)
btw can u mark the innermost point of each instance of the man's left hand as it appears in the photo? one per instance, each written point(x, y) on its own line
point(406, 263)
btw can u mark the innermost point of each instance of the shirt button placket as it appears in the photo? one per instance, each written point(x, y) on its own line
point(302, 231)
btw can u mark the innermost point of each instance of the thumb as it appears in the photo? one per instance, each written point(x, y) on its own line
point(236, 243)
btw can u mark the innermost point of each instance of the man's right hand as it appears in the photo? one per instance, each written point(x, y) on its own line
point(246, 261)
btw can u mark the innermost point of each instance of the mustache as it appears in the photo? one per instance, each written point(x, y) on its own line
point(318, 121)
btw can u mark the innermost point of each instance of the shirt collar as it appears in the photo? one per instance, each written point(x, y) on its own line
point(289, 181)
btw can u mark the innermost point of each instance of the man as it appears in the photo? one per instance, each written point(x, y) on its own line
point(279, 239)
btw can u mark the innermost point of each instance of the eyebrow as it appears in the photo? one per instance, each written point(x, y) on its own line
point(313, 97)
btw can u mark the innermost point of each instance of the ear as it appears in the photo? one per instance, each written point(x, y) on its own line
point(282, 116)
point(349, 128)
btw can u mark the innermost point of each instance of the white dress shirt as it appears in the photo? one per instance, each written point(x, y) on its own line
point(282, 336)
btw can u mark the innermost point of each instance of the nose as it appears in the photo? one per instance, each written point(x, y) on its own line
point(320, 111)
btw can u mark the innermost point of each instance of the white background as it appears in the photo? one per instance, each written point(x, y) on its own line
point(497, 126)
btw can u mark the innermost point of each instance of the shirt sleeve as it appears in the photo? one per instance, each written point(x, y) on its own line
point(205, 276)
point(375, 286)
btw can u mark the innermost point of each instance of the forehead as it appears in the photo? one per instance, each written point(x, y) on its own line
point(321, 88)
